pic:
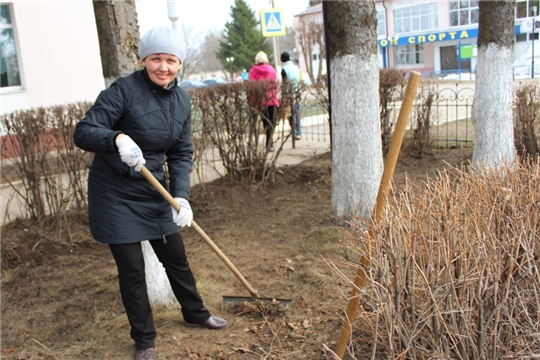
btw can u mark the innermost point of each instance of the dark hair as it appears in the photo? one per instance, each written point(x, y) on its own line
point(285, 56)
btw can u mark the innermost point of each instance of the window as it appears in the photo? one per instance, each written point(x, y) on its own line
point(463, 12)
point(410, 54)
point(381, 28)
point(521, 37)
point(526, 37)
point(9, 66)
point(420, 18)
point(527, 8)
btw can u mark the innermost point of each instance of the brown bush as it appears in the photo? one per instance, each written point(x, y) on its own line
point(526, 121)
point(391, 82)
point(418, 142)
point(46, 167)
point(48, 172)
point(454, 269)
point(230, 118)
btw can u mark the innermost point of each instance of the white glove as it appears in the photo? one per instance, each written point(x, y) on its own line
point(185, 215)
point(130, 153)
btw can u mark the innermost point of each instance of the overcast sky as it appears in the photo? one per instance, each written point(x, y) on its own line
point(204, 15)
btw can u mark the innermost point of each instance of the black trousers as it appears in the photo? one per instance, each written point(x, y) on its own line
point(269, 122)
point(131, 275)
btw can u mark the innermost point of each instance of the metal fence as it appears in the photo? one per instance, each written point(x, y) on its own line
point(450, 118)
point(449, 115)
point(518, 72)
point(314, 123)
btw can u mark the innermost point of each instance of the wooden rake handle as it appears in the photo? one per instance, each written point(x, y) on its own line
point(152, 179)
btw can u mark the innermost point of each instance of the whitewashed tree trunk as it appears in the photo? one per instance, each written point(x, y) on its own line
point(492, 108)
point(357, 160)
point(118, 34)
point(157, 284)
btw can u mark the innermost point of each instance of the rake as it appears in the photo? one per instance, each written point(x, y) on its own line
point(226, 300)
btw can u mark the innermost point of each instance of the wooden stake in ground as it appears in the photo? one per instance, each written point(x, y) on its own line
point(388, 173)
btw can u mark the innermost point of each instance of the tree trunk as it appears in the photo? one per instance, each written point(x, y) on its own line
point(492, 107)
point(118, 34)
point(357, 161)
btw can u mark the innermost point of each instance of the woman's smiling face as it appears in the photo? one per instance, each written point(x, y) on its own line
point(162, 68)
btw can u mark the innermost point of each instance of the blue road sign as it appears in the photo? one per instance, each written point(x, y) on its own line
point(272, 22)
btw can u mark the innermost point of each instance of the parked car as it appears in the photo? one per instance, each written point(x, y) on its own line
point(214, 81)
point(192, 84)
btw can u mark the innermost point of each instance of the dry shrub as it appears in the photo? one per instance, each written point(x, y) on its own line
point(47, 172)
point(46, 166)
point(454, 270)
point(391, 82)
point(526, 122)
point(418, 142)
point(231, 120)
point(318, 92)
point(290, 95)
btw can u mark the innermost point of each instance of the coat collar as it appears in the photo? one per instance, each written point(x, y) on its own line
point(156, 87)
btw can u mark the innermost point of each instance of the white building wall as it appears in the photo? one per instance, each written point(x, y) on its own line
point(444, 15)
point(58, 54)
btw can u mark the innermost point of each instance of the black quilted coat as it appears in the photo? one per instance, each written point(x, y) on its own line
point(123, 206)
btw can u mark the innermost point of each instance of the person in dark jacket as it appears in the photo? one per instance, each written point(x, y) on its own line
point(144, 119)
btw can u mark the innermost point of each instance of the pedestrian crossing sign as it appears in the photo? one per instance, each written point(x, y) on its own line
point(272, 23)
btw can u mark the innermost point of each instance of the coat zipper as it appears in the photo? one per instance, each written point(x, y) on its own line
point(171, 122)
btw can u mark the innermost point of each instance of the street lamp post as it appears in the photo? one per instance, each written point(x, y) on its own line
point(230, 60)
point(173, 11)
point(533, 35)
point(276, 44)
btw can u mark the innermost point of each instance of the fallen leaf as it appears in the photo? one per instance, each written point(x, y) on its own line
point(292, 326)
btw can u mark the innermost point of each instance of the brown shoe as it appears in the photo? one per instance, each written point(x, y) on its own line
point(213, 323)
point(146, 354)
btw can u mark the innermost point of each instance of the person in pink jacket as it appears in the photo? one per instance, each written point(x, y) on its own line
point(262, 70)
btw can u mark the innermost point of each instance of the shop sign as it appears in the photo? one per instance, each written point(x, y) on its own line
point(468, 51)
point(429, 38)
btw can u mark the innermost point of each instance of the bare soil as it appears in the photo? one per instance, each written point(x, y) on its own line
point(60, 297)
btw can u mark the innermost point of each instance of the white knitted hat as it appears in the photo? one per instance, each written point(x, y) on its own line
point(160, 40)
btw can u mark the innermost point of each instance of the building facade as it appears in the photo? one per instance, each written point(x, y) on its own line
point(309, 36)
point(437, 37)
point(49, 54)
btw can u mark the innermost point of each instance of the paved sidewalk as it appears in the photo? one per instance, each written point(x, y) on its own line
point(304, 149)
